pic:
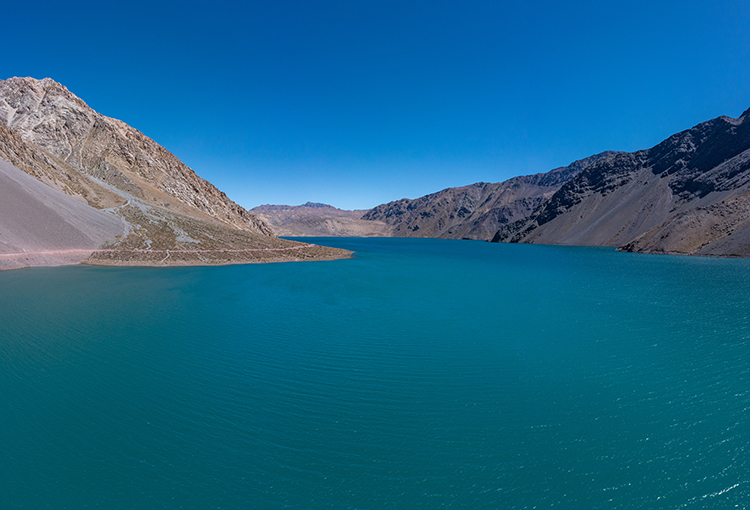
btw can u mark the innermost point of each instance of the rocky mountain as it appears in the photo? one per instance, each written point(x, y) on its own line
point(478, 210)
point(49, 133)
point(315, 219)
point(689, 194)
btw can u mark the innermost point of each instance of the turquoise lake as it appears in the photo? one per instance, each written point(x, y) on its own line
point(419, 374)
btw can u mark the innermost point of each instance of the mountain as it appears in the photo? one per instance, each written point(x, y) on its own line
point(315, 219)
point(478, 210)
point(40, 225)
point(174, 216)
point(689, 194)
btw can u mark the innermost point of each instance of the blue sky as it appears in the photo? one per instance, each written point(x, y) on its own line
point(356, 103)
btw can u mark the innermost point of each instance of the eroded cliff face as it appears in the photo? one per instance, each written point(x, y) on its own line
point(688, 195)
point(111, 154)
point(476, 211)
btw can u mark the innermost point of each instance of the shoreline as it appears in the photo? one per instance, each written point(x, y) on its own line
point(168, 258)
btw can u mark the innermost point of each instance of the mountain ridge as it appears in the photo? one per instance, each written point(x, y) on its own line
point(476, 211)
point(46, 114)
point(174, 216)
point(686, 195)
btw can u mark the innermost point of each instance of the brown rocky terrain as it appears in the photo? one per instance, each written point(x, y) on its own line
point(688, 195)
point(314, 219)
point(476, 211)
point(52, 135)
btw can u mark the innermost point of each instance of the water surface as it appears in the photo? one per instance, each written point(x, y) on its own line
point(421, 373)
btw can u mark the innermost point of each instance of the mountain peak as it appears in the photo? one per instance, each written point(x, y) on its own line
point(174, 216)
point(45, 113)
point(28, 80)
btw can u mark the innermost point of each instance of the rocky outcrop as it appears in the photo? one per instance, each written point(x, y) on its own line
point(478, 210)
point(315, 219)
point(687, 195)
point(54, 172)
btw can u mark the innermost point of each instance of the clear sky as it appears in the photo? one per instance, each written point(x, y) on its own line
point(360, 102)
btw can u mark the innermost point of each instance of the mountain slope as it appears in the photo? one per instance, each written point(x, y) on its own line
point(48, 115)
point(478, 210)
point(687, 195)
point(313, 219)
point(47, 226)
point(174, 216)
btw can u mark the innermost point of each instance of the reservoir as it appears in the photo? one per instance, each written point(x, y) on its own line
point(422, 373)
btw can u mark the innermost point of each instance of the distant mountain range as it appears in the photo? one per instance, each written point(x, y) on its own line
point(315, 219)
point(476, 211)
point(170, 215)
point(688, 195)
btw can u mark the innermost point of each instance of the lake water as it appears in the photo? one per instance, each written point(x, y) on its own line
point(420, 374)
